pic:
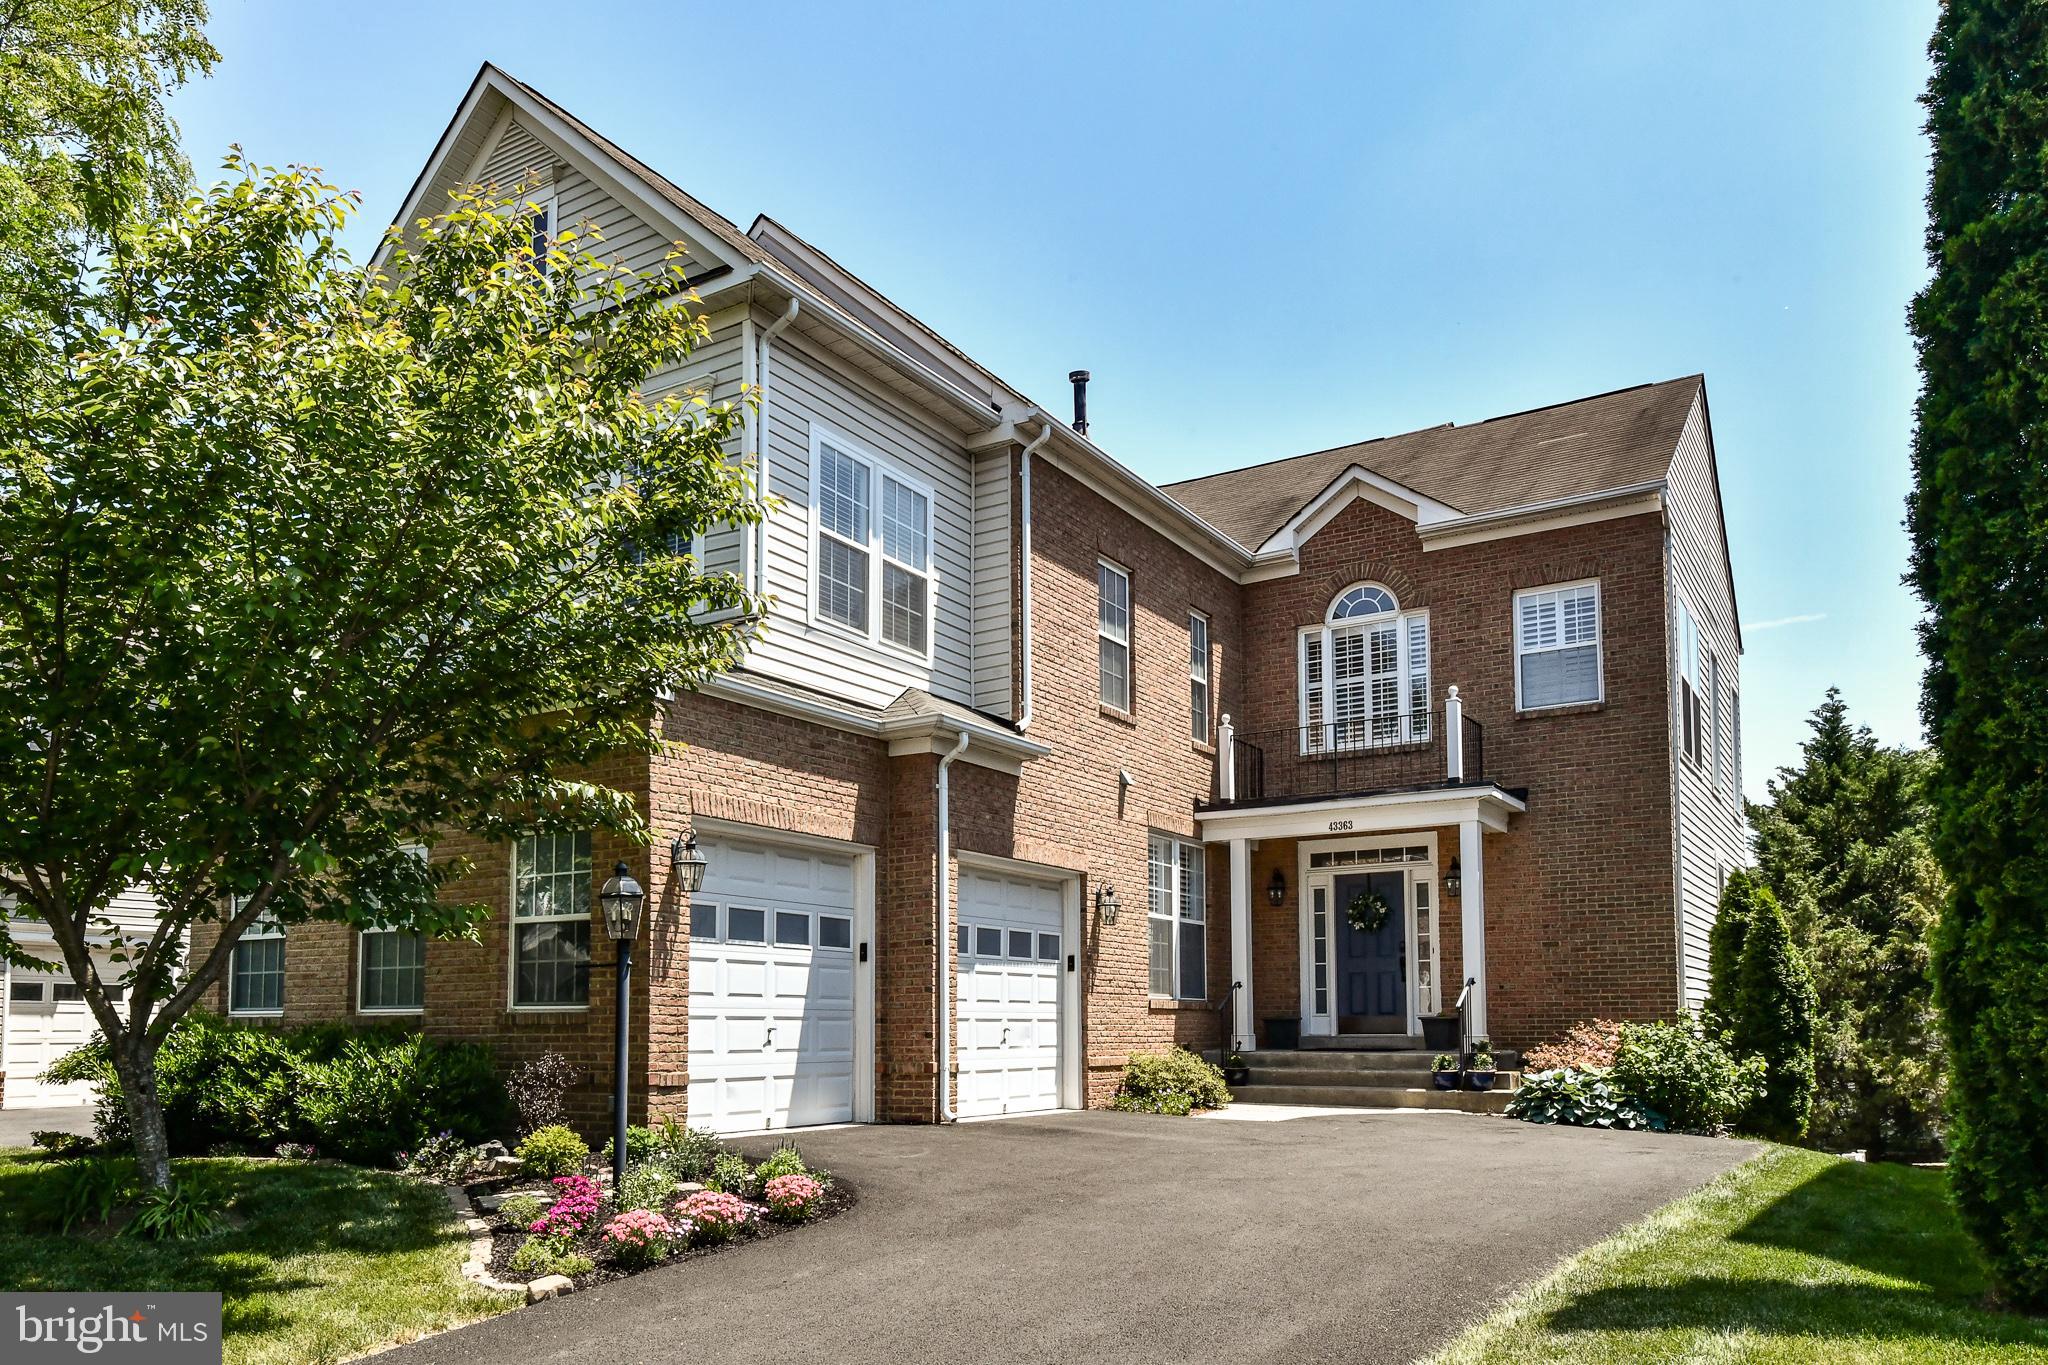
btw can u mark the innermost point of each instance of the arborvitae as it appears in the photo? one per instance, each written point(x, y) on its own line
point(1979, 522)
point(1774, 1012)
point(1724, 950)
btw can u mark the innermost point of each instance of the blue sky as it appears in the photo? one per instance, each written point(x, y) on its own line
point(1270, 231)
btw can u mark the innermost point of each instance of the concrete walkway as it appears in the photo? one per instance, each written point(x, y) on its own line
point(1124, 1237)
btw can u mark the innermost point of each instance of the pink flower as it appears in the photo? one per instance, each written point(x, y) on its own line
point(714, 1216)
point(638, 1228)
point(791, 1196)
point(576, 1203)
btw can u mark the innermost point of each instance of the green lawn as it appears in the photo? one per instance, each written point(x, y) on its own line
point(323, 1262)
point(1791, 1257)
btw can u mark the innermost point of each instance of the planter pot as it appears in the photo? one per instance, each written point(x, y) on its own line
point(1440, 1032)
point(1445, 1080)
point(1480, 1080)
point(1237, 1075)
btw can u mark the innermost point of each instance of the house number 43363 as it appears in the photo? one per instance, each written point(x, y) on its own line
point(1339, 826)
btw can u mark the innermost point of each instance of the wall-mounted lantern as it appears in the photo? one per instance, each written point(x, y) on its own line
point(1453, 883)
point(1276, 889)
point(687, 862)
point(1107, 906)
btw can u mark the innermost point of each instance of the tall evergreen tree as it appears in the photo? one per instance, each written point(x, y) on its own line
point(1979, 521)
point(1724, 949)
point(1774, 1012)
point(1843, 843)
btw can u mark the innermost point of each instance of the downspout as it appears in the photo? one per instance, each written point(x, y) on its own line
point(1674, 712)
point(942, 1032)
point(1024, 575)
point(762, 464)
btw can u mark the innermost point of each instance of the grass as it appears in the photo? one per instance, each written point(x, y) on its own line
point(318, 1263)
point(1793, 1256)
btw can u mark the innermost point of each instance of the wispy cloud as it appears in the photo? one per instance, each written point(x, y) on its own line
point(1776, 622)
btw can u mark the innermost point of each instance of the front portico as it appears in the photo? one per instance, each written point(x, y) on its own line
point(1359, 913)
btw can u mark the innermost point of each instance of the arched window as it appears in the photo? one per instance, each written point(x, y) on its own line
point(1367, 599)
point(1365, 674)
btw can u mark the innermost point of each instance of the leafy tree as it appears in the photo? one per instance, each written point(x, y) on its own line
point(1724, 948)
point(84, 144)
point(1843, 842)
point(303, 563)
point(1978, 516)
point(1774, 1012)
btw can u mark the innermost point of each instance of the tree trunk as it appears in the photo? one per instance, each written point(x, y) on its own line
point(135, 1063)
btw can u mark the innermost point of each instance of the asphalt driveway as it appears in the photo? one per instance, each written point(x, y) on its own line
point(1102, 1236)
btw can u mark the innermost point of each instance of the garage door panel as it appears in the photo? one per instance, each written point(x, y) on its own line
point(41, 1030)
point(1009, 993)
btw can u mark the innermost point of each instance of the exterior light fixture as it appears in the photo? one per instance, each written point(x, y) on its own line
point(1453, 883)
point(1276, 889)
point(621, 898)
point(1107, 906)
point(688, 863)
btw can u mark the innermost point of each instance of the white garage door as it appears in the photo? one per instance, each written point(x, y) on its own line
point(1010, 958)
point(46, 1018)
point(771, 988)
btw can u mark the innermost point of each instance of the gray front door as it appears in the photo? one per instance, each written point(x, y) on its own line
point(1372, 967)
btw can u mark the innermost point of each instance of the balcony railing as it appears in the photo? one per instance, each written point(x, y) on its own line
point(1417, 750)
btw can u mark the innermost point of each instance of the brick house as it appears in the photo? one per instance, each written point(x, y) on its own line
point(1038, 765)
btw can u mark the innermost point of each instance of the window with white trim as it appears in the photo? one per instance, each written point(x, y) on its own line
point(1198, 677)
point(1113, 633)
point(256, 967)
point(551, 921)
point(1557, 646)
point(391, 966)
point(1177, 914)
point(1717, 736)
point(1689, 683)
point(873, 541)
point(1364, 673)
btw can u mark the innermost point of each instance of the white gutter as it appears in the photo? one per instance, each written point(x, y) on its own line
point(1024, 574)
point(1476, 520)
point(762, 464)
point(943, 1031)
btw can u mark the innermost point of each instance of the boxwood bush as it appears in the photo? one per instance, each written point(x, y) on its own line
point(1173, 1082)
point(363, 1095)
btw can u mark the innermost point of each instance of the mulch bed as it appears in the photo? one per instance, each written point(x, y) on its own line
point(507, 1238)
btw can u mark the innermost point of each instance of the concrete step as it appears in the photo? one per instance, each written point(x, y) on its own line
point(1402, 1078)
point(1373, 1097)
point(1413, 1063)
point(1361, 1042)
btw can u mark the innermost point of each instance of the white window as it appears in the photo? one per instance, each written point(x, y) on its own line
point(873, 534)
point(1689, 684)
point(1198, 677)
point(1557, 646)
point(1364, 673)
point(1177, 910)
point(1113, 633)
point(391, 973)
point(256, 968)
point(540, 226)
point(551, 921)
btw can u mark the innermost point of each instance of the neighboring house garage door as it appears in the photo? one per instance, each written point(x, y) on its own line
point(1010, 955)
point(771, 988)
point(46, 1018)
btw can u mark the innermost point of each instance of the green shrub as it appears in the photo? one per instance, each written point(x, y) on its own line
point(646, 1186)
point(522, 1208)
point(1775, 1005)
point(187, 1208)
point(687, 1152)
point(361, 1094)
point(1159, 1082)
point(1579, 1097)
point(729, 1173)
point(539, 1256)
point(552, 1151)
point(1724, 948)
point(1680, 1073)
point(784, 1160)
point(641, 1144)
point(91, 1189)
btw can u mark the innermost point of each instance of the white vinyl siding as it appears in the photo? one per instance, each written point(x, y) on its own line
point(551, 921)
point(1198, 677)
point(1113, 634)
point(1177, 914)
point(1557, 646)
point(993, 562)
point(256, 970)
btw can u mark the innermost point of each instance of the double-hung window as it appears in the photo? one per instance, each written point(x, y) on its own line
point(1198, 677)
point(256, 968)
point(873, 561)
point(391, 967)
point(1113, 634)
point(551, 921)
point(1177, 913)
point(1364, 673)
point(1557, 646)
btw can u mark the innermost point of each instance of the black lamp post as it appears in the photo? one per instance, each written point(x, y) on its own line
point(621, 898)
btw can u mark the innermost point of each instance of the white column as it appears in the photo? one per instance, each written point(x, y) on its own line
point(1454, 737)
point(1226, 760)
point(1243, 1037)
point(1472, 919)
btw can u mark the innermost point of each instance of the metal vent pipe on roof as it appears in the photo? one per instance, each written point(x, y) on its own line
point(1080, 382)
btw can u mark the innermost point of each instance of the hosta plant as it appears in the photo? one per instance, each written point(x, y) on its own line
point(1581, 1098)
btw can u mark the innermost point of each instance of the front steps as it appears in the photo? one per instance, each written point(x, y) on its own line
point(1364, 1071)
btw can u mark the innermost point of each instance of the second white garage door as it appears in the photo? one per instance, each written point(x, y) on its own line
point(771, 988)
point(1010, 958)
point(46, 1018)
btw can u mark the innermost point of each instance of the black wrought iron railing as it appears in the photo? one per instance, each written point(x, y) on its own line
point(1339, 757)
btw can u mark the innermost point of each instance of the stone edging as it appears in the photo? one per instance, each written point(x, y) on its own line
point(478, 1265)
